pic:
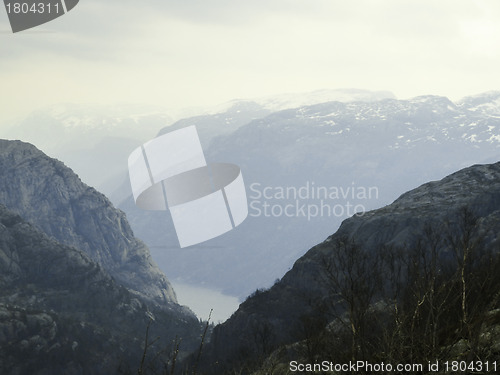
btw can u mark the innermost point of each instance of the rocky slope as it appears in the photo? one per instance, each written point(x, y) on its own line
point(62, 313)
point(277, 316)
point(49, 195)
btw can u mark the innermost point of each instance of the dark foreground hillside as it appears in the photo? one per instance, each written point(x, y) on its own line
point(412, 282)
point(61, 313)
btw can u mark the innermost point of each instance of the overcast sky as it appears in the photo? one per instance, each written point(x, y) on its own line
point(189, 53)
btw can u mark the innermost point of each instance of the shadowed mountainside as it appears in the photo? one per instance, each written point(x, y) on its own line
point(61, 312)
point(425, 226)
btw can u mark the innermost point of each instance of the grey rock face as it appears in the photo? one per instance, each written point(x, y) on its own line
point(48, 194)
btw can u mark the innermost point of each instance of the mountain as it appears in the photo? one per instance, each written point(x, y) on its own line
point(79, 292)
point(223, 122)
point(487, 103)
point(417, 276)
point(49, 195)
point(226, 118)
point(62, 313)
point(344, 157)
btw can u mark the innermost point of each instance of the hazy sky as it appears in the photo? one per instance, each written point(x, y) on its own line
point(193, 53)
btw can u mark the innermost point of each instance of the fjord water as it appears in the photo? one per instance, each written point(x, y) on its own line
point(201, 300)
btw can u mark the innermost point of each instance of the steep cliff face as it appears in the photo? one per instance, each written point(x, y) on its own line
point(61, 313)
point(49, 195)
point(276, 316)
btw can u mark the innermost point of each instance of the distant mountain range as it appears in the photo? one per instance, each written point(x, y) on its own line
point(274, 103)
point(388, 146)
point(95, 141)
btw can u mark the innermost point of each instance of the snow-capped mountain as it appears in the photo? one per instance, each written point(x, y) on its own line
point(487, 103)
point(280, 102)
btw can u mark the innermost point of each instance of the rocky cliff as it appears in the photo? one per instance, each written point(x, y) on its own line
point(46, 193)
